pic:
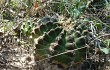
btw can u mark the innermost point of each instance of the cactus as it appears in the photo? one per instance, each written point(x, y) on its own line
point(50, 39)
point(24, 29)
point(81, 36)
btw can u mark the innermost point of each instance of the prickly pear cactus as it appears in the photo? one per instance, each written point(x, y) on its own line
point(51, 39)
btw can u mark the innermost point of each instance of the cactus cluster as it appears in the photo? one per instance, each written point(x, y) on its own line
point(50, 39)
